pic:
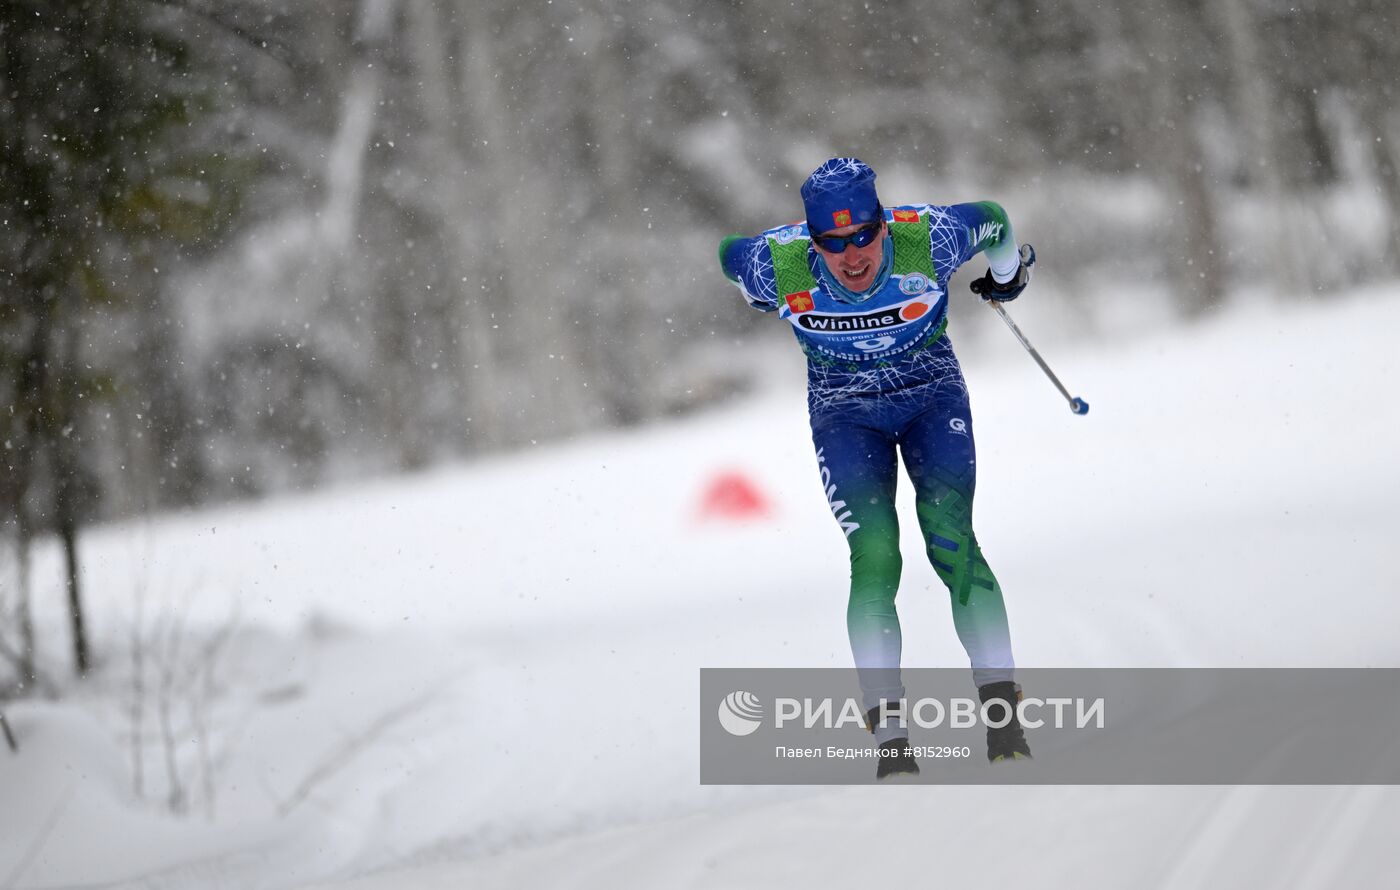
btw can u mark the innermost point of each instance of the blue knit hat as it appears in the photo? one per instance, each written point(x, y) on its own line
point(841, 192)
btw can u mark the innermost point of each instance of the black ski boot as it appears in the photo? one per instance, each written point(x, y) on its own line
point(896, 757)
point(1009, 741)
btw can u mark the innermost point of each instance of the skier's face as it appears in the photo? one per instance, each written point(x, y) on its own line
point(855, 267)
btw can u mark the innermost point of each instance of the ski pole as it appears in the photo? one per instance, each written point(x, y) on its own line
point(1076, 404)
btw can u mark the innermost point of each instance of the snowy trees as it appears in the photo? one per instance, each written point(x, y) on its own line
point(250, 246)
point(101, 180)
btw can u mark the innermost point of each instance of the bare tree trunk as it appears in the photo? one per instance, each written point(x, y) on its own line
point(29, 396)
point(626, 386)
point(68, 530)
point(343, 213)
point(1386, 161)
point(1176, 147)
point(68, 482)
point(345, 161)
point(1255, 104)
point(445, 154)
point(486, 384)
point(519, 346)
point(9, 736)
point(164, 397)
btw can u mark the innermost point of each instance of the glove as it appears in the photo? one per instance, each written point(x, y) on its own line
point(988, 288)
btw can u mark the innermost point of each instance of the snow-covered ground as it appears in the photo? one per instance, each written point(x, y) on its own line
point(486, 676)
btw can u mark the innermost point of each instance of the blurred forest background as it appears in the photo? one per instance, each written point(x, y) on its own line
point(248, 247)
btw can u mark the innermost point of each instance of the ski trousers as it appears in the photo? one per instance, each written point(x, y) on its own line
point(856, 436)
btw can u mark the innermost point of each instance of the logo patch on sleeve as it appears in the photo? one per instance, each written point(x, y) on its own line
point(906, 216)
point(799, 302)
point(914, 283)
point(841, 218)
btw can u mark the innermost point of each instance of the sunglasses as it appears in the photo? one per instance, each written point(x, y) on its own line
point(860, 238)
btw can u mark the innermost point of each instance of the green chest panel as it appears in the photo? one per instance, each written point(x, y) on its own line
point(912, 249)
point(793, 274)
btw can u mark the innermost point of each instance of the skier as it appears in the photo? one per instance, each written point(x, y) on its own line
point(865, 289)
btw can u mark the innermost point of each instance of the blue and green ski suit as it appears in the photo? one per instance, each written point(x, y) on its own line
point(882, 376)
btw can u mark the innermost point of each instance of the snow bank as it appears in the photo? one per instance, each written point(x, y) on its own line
point(488, 673)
